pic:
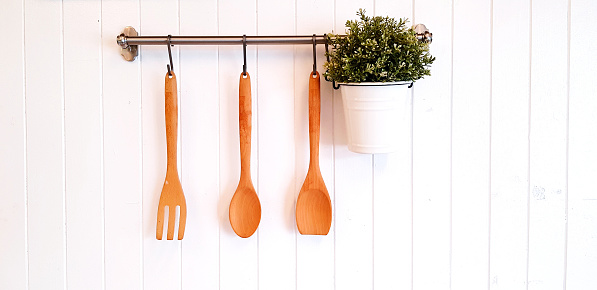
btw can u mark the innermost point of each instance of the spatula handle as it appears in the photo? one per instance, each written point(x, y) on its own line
point(244, 125)
point(314, 117)
point(171, 120)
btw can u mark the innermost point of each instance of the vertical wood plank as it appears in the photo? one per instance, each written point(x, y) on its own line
point(471, 144)
point(161, 258)
point(548, 138)
point(83, 145)
point(392, 185)
point(275, 127)
point(314, 254)
point(432, 103)
point(353, 175)
point(238, 257)
point(123, 200)
point(45, 144)
point(582, 164)
point(510, 145)
point(13, 209)
point(199, 124)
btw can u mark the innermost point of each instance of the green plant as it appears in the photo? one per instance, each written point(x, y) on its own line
point(377, 49)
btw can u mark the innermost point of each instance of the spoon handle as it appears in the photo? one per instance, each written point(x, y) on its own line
point(244, 125)
point(171, 112)
point(314, 118)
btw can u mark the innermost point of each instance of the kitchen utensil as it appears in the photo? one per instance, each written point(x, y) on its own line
point(245, 209)
point(313, 206)
point(172, 194)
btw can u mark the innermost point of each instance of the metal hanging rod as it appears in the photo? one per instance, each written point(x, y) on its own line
point(125, 41)
point(129, 40)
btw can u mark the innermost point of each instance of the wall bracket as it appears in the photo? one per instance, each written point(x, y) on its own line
point(128, 52)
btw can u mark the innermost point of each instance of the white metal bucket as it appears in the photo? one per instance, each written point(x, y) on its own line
point(373, 114)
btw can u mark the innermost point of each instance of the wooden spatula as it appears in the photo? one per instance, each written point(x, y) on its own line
point(172, 195)
point(313, 206)
point(245, 209)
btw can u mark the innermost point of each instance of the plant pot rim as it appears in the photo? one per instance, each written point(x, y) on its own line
point(401, 83)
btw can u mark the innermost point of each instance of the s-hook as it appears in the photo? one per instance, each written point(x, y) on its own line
point(327, 56)
point(170, 66)
point(245, 54)
point(314, 56)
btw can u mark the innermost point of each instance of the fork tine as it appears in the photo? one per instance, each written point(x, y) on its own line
point(182, 220)
point(160, 226)
point(171, 221)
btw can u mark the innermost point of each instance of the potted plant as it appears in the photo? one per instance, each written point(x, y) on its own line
point(375, 64)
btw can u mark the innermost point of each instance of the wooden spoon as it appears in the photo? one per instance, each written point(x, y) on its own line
point(245, 209)
point(313, 206)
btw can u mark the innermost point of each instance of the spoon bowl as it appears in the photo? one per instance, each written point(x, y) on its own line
point(245, 212)
point(314, 212)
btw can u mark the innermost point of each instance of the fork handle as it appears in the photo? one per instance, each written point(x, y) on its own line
point(171, 106)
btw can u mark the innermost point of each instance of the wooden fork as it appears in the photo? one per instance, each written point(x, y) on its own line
point(172, 195)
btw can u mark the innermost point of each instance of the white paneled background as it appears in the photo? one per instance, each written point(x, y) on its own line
point(494, 186)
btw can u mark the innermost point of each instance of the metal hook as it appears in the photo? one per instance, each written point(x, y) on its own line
point(170, 66)
point(314, 56)
point(245, 54)
point(327, 56)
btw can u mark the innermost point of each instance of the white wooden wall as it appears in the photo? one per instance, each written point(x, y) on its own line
point(494, 187)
